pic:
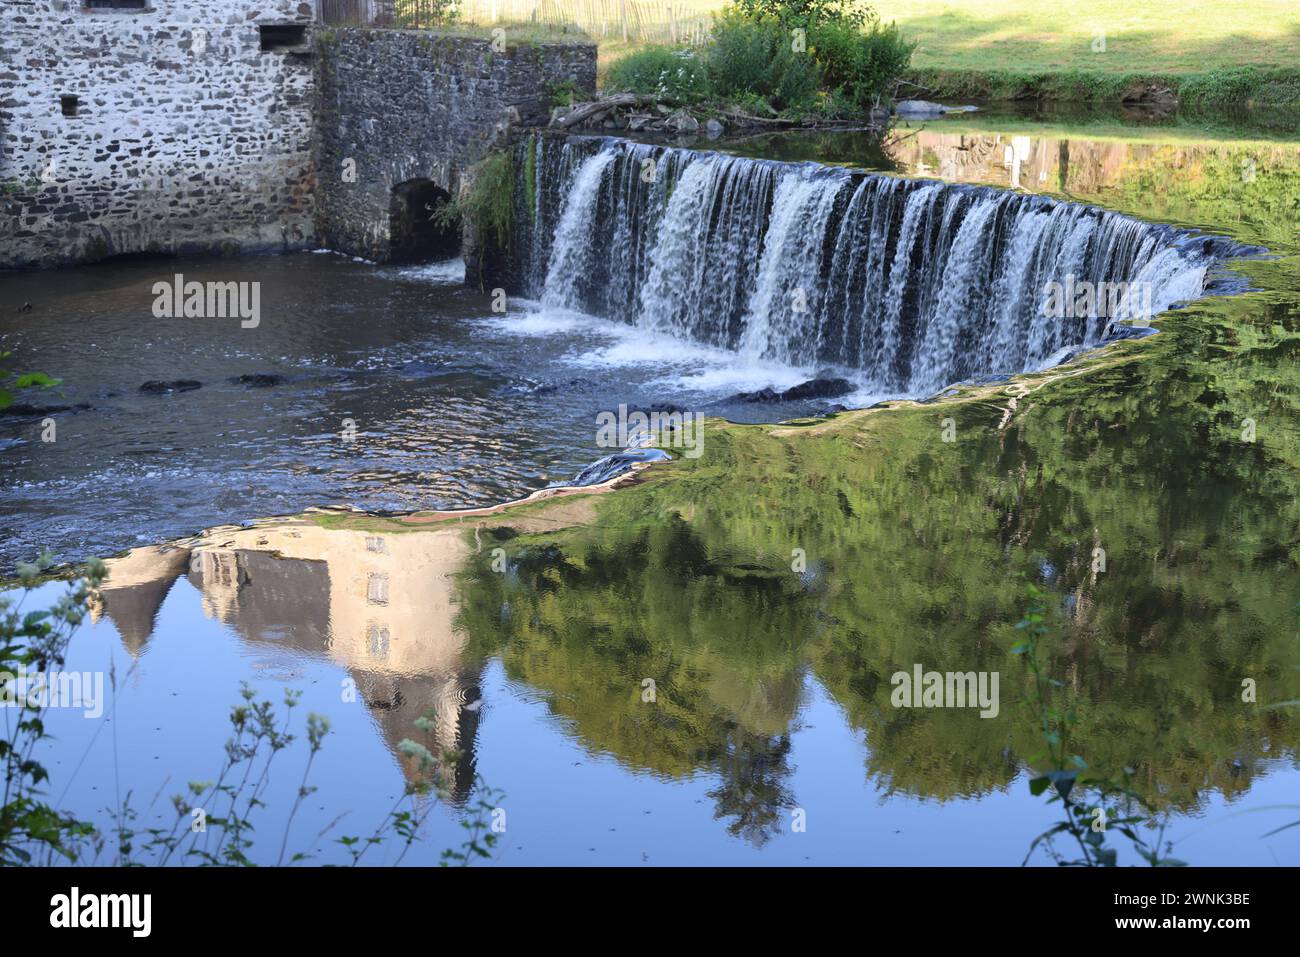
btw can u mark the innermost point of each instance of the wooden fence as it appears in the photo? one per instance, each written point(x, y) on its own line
point(628, 21)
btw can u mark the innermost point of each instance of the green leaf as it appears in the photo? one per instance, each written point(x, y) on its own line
point(37, 379)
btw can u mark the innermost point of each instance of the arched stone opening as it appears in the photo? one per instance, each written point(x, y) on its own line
point(418, 231)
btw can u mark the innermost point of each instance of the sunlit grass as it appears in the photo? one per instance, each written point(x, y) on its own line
point(1157, 36)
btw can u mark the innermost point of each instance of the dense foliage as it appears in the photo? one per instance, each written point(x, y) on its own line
point(795, 57)
point(674, 76)
point(751, 61)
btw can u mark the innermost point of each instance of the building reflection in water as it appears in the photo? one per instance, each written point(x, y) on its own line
point(378, 605)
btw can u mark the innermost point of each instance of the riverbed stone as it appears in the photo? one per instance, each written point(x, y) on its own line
point(160, 387)
point(925, 108)
point(682, 122)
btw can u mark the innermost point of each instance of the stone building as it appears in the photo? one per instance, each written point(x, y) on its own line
point(195, 126)
point(153, 126)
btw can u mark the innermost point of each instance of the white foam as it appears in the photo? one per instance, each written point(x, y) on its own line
point(449, 271)
point(738, 377)
point(866, 398)
point(687, 366)
point(532, 321)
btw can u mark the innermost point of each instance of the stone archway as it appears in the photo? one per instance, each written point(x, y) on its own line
point(417, 230)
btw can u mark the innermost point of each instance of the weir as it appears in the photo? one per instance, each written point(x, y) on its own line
point(910, 284)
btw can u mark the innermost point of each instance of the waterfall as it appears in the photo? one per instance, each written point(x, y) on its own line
point(909, 285)
point(571, 251)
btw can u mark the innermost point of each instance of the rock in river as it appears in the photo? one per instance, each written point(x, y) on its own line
point(155, 387)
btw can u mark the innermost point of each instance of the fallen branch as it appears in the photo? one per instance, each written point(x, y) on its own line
point(600, 107)
point(894, 138)
point(743, 117)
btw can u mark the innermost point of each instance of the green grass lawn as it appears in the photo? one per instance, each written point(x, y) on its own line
point(1141, 36)
point(1044, 49)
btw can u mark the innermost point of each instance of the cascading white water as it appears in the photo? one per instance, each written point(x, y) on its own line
point(959, 292)
point(910, 284)
point(679, 264)
point(572, 250)
point(782, 316)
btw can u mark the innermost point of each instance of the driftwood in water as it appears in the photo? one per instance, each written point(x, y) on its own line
point(600, 109)
point(748, 119)
point(597, 108)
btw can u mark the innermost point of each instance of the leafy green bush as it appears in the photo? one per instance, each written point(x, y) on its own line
point(488, 206)
point(675, 76)
point(753, 56)
point(860, 63)
point(810, 13)
point(793, 57)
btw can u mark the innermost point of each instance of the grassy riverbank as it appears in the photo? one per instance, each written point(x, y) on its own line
point(1207, 52)
point(1204, 52)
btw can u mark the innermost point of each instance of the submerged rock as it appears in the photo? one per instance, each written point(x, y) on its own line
point(419, 369)
point(821, 388)
point(530, 387)
point(918, 108)
point(1122, 330)
point(257, 380)
point(24, 410)
point(659, 408)
point(154, 387)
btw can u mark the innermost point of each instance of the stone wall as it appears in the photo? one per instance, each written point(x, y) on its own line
point(396, 106)
point(190, 127)
point(185, 135)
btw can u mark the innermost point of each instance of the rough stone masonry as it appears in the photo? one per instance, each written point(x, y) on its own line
point(184, 126)
point(400, 107)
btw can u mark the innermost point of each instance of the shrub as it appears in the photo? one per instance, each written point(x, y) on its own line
point(809, 13)
point(752, 56)
point(860, 64)
point(488, 206)
point(675, 76)
point(32, 830)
